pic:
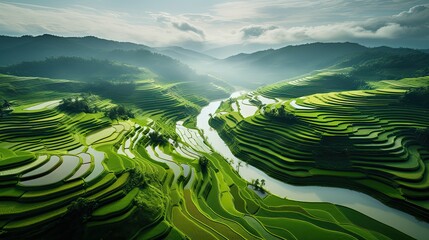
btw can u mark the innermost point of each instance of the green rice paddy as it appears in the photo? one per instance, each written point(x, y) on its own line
point(86, 176)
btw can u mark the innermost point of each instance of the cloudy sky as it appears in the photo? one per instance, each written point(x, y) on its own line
point(204, 24)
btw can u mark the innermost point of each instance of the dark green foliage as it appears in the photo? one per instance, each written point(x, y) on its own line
point(345, 81)
point(114, 90)
point(261, 187)
point(73, 68)
point(119, 112)
point(6, 104)
point(333, 152)
point(258, 184)
point(422, 135)
point(28, 49)
point(81, 209)
point(157, 138)
point(73, 222)
point(136, 179)
point(380, 65)
point(5, 108)
point(417, 96)
point(255, 102)
point(281, 114)
point(204, 163)
point(76, 105)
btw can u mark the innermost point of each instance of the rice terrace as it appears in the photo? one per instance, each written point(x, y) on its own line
point(223, 119)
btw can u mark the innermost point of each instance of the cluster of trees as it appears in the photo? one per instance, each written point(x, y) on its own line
point(84, 104)
point(114, 90)
point(281, 114)
point(382, 65)
point(5, 107)
point(417, 96)
point(157, 138)
point(343, 81)
point(119, 112)
point(258, 184)
point(77, 105)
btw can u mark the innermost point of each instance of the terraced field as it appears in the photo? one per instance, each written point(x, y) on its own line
point(167, 102)
point(83, 176)
point(366, 140)
point(117, 150)
point(52, 178)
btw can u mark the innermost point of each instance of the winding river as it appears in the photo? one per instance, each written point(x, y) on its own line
point(344, 197)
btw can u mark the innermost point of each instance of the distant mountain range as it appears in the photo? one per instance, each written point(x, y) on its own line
point(269, 66)
point(162, 61)
point(247, 70)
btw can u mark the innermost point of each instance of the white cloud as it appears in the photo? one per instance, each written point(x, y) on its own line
point(80, 21)
point(233, 22)
point(413, 23)
point(178, 22)
point(255, 31)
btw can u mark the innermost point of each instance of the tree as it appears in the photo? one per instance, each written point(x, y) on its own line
point(203, 162)
point(282, 111)
point(256, 184)
point(6, 104)
point(261, 188)
point(239, 165)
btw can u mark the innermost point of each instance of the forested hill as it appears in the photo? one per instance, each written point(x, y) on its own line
point(269, 66)
point(14, 50)
point(73, 68)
